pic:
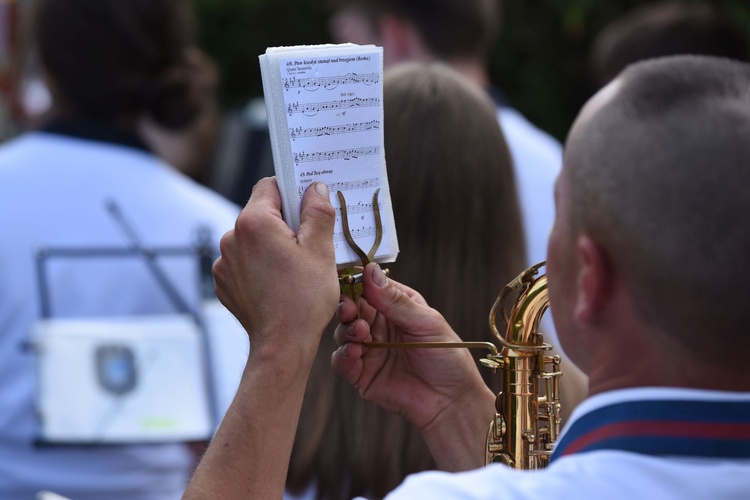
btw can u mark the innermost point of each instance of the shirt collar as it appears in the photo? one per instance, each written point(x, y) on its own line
point(649, 420)
point(95, 130)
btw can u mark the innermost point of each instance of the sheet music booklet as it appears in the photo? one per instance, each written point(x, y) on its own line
point(325, 118)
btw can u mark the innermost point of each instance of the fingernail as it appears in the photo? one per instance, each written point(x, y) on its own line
point(377, 276)
point(350, 332)
point(321, 189)
point(338, 310)
point(345, 351)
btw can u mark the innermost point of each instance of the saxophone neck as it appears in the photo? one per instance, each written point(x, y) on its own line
point(522, 322)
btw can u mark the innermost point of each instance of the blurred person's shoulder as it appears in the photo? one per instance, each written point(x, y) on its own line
point(527, 140)
point(18, 155)
point(10, 148)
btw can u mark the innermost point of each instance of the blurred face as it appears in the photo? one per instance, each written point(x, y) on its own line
point(394, 34)
point(350, 26)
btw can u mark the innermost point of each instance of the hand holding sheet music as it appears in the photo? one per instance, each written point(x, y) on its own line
point(325, 119)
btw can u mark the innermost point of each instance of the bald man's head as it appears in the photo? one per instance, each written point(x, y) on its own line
point(659, 165)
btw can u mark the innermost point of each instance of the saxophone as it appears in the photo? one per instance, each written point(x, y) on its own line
point(527, 422)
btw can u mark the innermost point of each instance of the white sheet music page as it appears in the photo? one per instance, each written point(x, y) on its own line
point(325, 114)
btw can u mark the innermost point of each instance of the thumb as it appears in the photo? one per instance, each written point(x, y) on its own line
point(317, 216)
point(392, 301)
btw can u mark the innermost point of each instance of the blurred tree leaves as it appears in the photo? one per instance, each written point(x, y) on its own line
point(540, 58)
point(236, 32)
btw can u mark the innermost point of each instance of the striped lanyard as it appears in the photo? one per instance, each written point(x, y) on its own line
point(718, 429)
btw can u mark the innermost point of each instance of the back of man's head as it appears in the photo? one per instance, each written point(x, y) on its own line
point(663, 29)
point(661, 178)
point(112, 60)
point(450, 29)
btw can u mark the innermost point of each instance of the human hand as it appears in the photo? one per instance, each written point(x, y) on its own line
point(423, 384)
point(280, 285)
point(283, 288)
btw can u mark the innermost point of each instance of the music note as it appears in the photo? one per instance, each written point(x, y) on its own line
point(328, 118)
point(341, 154)
point(313, 108)
point(369, 184)
point(348, 128)
point(330, 82)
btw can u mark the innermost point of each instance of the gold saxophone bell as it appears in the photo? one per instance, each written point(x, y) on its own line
point(527, 410)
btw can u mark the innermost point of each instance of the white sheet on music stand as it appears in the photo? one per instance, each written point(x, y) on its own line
point(168, 403)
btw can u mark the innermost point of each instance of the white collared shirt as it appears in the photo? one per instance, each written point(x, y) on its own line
point(604, 474)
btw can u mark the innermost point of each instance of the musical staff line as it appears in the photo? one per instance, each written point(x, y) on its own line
point(347, 185)
point(313, 108)
point(330, 82)
point(356, 233)
point(340, 154)
point(294, 133)
point(359, 208)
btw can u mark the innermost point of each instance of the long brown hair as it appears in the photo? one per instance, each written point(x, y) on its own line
point(459, 229)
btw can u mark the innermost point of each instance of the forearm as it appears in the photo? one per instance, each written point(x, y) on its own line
point(457, 436)
point(249, 456)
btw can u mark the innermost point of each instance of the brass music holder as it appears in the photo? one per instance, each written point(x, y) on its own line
point(349, 279)
point(526, 424)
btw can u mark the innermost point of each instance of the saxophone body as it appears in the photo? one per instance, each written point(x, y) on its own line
point(527, 410)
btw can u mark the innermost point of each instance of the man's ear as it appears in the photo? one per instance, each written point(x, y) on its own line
point(594, 280)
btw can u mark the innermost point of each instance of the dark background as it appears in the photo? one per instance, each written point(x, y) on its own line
point(540, 58)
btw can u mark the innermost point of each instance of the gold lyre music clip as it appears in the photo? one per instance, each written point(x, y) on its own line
point(347, 278)
point(350, 277)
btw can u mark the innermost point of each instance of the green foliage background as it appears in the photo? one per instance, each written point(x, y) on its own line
point(539, 59)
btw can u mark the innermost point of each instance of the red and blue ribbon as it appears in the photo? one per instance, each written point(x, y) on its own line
point(718, 429)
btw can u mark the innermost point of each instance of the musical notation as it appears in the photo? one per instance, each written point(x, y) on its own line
point(341, 154)
point(363, 232)
point(330, 82)
point(347, 185)
point(296, 132)
point(327, 108)
point(358, 208)
point(313, 108)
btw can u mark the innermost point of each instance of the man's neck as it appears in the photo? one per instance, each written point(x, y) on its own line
point(473, 70)
point(651, 367)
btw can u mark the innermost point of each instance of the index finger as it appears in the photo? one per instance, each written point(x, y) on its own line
point(266, 192)
point(349, 310)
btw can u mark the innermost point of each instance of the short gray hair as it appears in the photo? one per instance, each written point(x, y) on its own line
point(661, 177)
